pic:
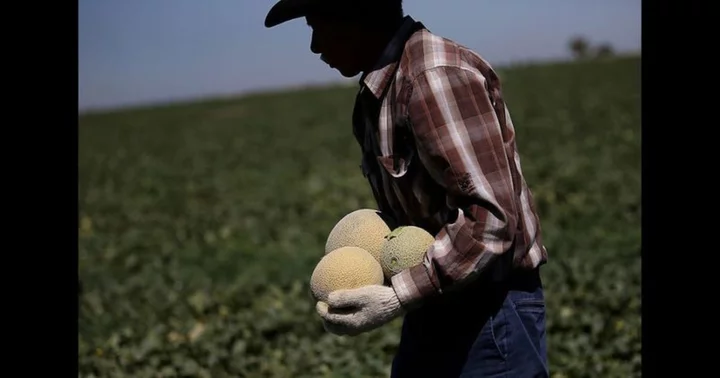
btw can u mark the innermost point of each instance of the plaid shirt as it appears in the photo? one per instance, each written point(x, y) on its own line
point(441, 155)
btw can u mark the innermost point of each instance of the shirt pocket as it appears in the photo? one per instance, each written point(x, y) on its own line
point(399, 155)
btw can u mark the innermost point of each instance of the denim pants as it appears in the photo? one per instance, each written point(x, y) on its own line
point(484, 330)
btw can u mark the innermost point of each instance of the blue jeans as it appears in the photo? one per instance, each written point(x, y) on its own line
point(486, 330)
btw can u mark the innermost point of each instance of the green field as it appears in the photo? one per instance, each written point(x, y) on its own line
point(200, 225)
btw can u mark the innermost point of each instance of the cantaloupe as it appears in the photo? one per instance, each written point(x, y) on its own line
point(364, 228)
point(403, 248)
point(344, 268)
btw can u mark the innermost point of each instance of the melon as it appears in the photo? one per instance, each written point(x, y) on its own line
point(403, 248)
point(344, 268)
point(364, 228)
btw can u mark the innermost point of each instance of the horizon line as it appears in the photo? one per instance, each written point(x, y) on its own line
point(342, 82)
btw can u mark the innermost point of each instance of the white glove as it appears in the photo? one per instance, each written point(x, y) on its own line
point(351, 312)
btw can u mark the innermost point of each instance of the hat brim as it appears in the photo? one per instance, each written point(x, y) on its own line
point(286, 10)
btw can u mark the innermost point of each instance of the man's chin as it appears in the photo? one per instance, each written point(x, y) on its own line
point(349, 74)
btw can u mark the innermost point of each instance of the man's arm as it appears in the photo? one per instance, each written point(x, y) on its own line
point(457, 129)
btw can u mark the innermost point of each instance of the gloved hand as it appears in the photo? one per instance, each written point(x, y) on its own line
point(352, 312)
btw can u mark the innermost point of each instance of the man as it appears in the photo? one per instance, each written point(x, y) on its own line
point(439, 153)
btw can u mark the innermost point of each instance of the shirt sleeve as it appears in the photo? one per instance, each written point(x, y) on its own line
point(459, 133)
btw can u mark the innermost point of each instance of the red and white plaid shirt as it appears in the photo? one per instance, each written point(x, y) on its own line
point(447, 161)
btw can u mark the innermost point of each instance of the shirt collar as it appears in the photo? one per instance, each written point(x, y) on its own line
point(377, 79)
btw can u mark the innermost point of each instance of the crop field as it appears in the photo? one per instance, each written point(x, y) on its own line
point(200, 225)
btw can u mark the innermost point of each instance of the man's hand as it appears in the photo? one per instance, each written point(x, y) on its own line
point(352, 312)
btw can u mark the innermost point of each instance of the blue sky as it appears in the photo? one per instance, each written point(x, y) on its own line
point(139, 51)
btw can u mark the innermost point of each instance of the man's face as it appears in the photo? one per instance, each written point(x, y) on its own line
point(338, 43)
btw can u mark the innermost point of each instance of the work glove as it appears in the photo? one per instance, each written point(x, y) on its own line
point(354, 311)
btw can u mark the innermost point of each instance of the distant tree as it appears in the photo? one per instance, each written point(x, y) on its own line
point(579, 47)
point(604, 50)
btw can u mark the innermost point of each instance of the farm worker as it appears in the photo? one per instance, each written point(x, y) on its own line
point(439, 152)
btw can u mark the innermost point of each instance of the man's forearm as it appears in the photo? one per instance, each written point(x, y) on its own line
point(462, 251)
